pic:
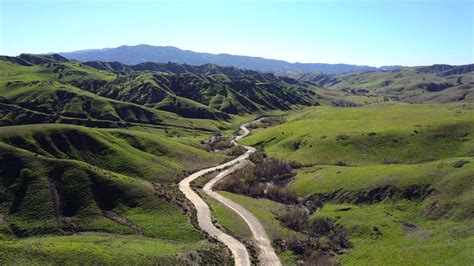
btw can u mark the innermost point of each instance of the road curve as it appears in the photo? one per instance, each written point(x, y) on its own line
point(267, 255)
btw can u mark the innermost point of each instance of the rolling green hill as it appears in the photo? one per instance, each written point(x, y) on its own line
point(428, 84)
point(398, 178)
point(50, 88)
point(103, 186)
point(372, 135)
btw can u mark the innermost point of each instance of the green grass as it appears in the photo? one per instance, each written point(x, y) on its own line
point(34, 153)
point(162, 222)
point(454, 185)
point(404, 86)
point(387, 145)
point(325, 135)
point(438, 242)
point(228, 219)
point(265, 211)
point(85, 191)
point(93, 248)
point(321, 179)
point(135, 153)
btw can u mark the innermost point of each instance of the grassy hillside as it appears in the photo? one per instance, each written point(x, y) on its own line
point(394, 233)
point(107, 249)
point(111, 183)
point(50, 88)
point(139, 154)
point(398, 178)
point(429, 84)
point(223, 90)
point(372, 135)
point(29, 94)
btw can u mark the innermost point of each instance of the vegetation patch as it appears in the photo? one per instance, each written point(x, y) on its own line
point(263, 178)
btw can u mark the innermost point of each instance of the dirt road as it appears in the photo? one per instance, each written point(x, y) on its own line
point(267, 255)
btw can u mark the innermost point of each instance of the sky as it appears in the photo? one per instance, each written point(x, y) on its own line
point(363, 32)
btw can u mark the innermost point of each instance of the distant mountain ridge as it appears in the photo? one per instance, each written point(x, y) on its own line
point(133, 55)
point(112, 94)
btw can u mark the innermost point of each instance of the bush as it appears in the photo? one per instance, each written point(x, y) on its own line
point(262, 179)
point(257, 157)
point(342, 163)
point(325, 236)
point(267, 122)
point(295, 164)
point(460, 163)
point(293, 218)
point(236, 151)
point(271, 169)
point(219, 143)
point(342, 137)
point(280, 194)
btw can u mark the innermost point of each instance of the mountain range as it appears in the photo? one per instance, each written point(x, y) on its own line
point(162, 54)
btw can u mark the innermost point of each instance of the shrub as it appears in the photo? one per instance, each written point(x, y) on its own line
point(460, 163)
point(271, 169)
point(324, 237)
point(267, 122)
point(262, 179)
point(342, 137)
point(342, 163)
point(293, 218)
point(257, 157)
point(236, 151)
point(295, 164)
point(219, 143)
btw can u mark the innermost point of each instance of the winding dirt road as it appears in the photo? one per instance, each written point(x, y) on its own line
point(267, 255)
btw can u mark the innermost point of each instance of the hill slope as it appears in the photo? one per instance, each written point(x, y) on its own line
point(106, 187)
point(428, 84)
point(398, 178)
point(49, 88)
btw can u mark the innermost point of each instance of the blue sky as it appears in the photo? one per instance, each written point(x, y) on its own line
point(378, 32)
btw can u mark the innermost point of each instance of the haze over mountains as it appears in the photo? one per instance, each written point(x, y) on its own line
point(163, 54)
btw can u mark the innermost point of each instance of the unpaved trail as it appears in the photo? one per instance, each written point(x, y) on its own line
point(267, 255)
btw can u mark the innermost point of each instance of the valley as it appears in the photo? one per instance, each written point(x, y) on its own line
point(109, 163)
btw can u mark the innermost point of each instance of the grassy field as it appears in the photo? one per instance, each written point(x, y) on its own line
point(354, 152)
point(454, 185)
point(371, 135)
point(230, 221)
point(393, 233)
point(97, 248)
